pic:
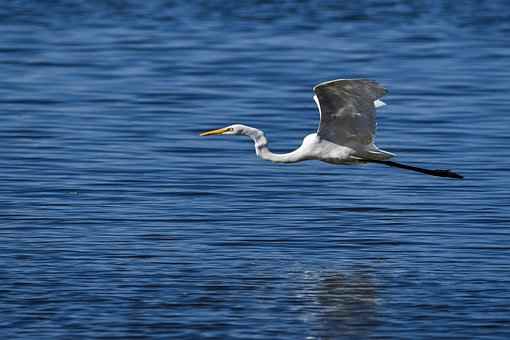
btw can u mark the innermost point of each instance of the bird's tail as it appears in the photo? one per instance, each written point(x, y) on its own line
point(438, 173)
point(372, 152)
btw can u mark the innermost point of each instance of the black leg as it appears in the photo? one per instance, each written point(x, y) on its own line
point(439, 173)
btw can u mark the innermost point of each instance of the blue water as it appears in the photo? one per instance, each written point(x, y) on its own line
point(119, 221)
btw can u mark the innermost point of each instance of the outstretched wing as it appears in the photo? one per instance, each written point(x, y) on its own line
point(347, 109)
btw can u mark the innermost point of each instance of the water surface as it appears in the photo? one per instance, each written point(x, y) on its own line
point(119, 221)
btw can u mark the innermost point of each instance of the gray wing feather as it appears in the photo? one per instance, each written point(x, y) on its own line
point(347, 110)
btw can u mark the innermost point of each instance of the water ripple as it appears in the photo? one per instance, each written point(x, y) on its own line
point(119, 221)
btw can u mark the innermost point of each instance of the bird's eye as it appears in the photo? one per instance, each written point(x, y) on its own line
point(230, 129)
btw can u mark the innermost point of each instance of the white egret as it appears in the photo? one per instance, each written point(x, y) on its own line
point(346, 130)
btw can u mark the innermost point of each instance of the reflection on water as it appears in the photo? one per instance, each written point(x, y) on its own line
point(346, 302)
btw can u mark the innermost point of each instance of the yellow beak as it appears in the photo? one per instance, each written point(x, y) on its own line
point(214, 132)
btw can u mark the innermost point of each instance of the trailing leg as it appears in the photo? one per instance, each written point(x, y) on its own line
point(438, 173)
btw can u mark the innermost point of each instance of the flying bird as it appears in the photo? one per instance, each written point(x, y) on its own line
point(346, 130)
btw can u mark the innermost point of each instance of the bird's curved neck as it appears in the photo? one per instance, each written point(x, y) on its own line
point(262, 150)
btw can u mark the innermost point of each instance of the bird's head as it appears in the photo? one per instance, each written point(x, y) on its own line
point(236, 129)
